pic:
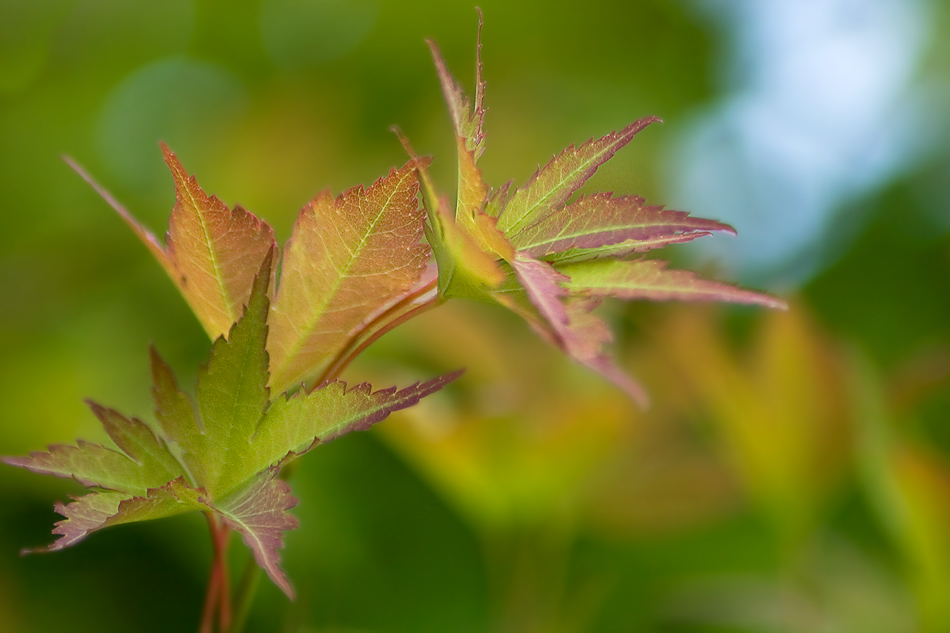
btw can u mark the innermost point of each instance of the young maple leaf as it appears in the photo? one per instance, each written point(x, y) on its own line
point(348, 260)
point(550, 259)
point(219, 453)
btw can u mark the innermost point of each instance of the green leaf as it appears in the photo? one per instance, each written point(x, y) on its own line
point(295, 425)
point(175, 414)
point(465, 269)
point(144, 461)
point(140, 443)
point(232, 395)
point(91, 465)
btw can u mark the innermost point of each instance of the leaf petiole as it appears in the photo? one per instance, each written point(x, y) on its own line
point(385, 322)
point(218, 595)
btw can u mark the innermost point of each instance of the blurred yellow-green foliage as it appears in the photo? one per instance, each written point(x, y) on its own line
point(793, 472)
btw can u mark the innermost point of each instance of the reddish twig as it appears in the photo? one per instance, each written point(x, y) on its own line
point(218, 595)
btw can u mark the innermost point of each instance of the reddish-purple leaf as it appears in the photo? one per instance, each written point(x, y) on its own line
point(599, 220)
point(97, 510)
point(650, 279)
point(259, 513)
point(595, 335)
point(542, 283)
point(83, 515)
point(552, 185)
point(570, 326)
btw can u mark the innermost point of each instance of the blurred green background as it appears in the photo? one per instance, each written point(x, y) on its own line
point(793, 473)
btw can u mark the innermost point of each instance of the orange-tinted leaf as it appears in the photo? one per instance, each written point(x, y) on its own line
point(469, 214)
point(216, 251)
point(212, 252)
point(347, 257)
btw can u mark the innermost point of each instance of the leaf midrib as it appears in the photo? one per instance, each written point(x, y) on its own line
point(212, 253)
point(513, 229)
point(294, 350)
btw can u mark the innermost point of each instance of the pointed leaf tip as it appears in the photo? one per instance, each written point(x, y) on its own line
point(467, 116)
point(232, 395)
point(552, 185)
point(216, 250)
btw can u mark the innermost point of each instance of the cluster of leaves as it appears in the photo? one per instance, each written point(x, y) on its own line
point(356, 267)
point(352, 262)
point(552, 259)
point(219, 454)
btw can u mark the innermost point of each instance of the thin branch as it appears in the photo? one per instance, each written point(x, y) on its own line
point(214, 580)
point(221, 553)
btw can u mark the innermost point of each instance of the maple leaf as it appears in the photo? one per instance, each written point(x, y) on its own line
point(219, 452)
point(548, 258)
point(349, 260)
point(211, 252)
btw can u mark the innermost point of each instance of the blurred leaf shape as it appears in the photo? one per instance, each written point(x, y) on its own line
point(837, 588)
point(780, 407)
point(519, 441)
point(907, 480)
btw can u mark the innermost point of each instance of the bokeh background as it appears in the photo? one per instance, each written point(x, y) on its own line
point(793, 473)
